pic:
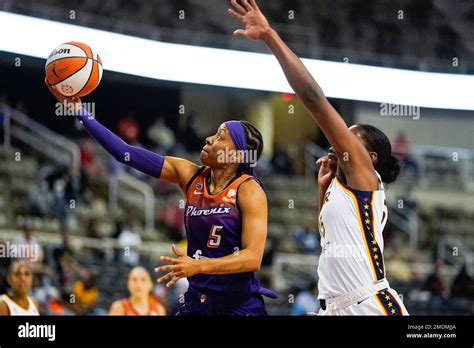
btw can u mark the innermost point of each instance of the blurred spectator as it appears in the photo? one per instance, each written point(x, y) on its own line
point(128, 129)
point(64, 260)
point(64, 192)
point(90, 164)
point(86, 293)
point(4, 264)
point(399, 269)
point(98, 252)
point(193, 142)
point(48, 297)
point(434, 284)
point(463, 284)
point(271, 247)
point(162, 136)
point(128, 239)
point(173, 219)
point(401, 148)
point(281, 161)
point(306, 301)
point(31, 245)
point(40, 200)
point(307, 240)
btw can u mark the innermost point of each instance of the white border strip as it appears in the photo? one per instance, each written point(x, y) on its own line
point(141, 57)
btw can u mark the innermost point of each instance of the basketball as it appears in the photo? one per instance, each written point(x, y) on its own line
point(74, 68)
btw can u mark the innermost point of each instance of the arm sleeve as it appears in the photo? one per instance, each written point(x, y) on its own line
point(143, 160)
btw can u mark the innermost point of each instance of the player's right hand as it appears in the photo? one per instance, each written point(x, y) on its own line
point(256, 25)
point(73, 103)
point(325, 174)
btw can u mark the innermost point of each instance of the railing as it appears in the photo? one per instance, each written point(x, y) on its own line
point(296, 270)
point(38, 137)
point(284, 266)
point(137, 185)
point(435, 164)
point(108, 245)
point(441, 165)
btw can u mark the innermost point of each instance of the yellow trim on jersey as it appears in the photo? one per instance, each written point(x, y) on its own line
point(361, 226)
point(373, 215)
point(380, 304)
point(398, 303)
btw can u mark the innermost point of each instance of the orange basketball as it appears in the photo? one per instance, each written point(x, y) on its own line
point(74, 68)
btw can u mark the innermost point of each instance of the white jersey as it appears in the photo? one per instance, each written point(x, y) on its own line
point(351, 224)
point(16, 309)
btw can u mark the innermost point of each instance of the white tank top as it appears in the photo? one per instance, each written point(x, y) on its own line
point(16, 309)
point(351, 224)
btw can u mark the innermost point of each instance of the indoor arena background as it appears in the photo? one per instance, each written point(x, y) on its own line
point(57, 186)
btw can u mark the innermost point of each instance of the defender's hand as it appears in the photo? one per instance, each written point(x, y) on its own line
point(256, 25)
point(325, 174)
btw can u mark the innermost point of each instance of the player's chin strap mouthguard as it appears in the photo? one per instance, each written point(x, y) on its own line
point(237, 133)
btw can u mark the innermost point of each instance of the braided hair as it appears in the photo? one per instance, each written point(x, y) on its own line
point(254, 141)
point(388, 166)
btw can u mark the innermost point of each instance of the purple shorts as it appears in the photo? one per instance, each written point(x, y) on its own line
point(198, 304)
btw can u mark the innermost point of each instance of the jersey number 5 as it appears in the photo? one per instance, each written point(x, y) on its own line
point(214, 237)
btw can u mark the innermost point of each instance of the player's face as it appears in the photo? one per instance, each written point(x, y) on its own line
point(21, 280)
point(358, 131)
point(219, 149)
point(139, 283)
point(333, 160)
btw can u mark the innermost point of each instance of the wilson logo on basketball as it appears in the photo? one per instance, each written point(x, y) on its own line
point(61, 51)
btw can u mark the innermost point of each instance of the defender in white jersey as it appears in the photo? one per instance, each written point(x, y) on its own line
point(354, 215)
point(351, 224)
point(17, 302)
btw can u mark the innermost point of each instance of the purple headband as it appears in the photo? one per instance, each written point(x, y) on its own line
point(237, 133)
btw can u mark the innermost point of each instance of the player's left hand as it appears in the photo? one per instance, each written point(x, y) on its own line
point(256, 25)
point(182, 266)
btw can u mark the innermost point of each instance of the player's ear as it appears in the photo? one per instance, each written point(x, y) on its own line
point(374, 156)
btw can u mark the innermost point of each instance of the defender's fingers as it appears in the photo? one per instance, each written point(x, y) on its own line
point(235, 15)
point(247, 5)
point(239, 7)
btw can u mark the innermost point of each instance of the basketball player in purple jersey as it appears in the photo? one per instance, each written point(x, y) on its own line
point(225, 217)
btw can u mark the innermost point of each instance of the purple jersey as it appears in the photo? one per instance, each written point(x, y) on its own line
point(214, 229)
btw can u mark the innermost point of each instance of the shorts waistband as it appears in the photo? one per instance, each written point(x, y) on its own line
point(352, 297)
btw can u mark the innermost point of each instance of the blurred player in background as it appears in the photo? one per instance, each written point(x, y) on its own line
point(225, 214)
point(141, 301)
point(353, 210)
point(18, 301)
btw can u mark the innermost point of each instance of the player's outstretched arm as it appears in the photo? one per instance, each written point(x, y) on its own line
point(170, 169)
point(253, 207)
point(344, 142)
